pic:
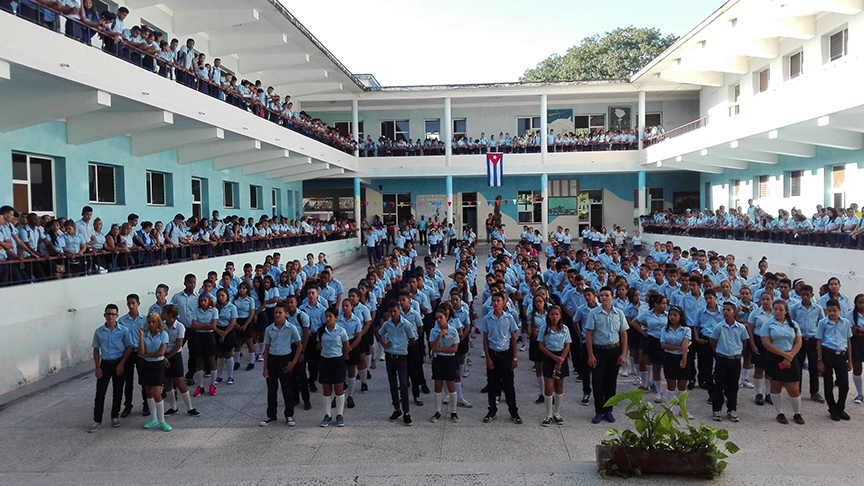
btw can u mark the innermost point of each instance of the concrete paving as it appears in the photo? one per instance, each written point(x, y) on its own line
point(45, 440)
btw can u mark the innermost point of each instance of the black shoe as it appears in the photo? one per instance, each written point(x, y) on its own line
point(691, 385)
point(170, 411)
point(267, 421)
point(190, 382)
point(236, 365)
point(368, 375)
point(395, 415)
point(307, 405)
point(424, 389)
point(313, 388)
point(126, 411)
point(488, 418)
point(516, 419)
point(782, 419)
point(364, 388)
point(193, 412)
point(760, 400)
point(407, 419)
point(843, 415)
point(768, 399)
point(485, 389)
point(540, 399)
point(835, 416)
point(798, 419)
point(349, 402)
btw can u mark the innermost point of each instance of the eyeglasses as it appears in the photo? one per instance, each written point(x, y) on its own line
point(107, 314)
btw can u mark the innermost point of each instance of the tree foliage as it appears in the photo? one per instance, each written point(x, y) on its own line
point(614, 55)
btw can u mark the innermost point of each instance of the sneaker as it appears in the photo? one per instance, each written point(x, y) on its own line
point(540, 399)
point(597, 418)
point(313, 388)
point(207, 375)
point(558, 420)
point(658, 398)
point(424, 389)
point(482, 354)
point(289, 421)
point(637, 381)
point(170, 411)
point(816, 397)
point(198, 391)
point(164, 426)
point(307, 405)
point(760, 400)
point(858, 400)
point(691, 385)
point(407, 419)
point(212, 390)
point(624, 372)
point(485, 389)
point(94, 427)
point(151, 423)
point(516, 419)
point(733, 415)
point(782, 419)
point(395, 415)
point(465, 373)
point(381, 358)
point(718, 417)
point(768, 399)
point(843, 415)
point(464, 404)
point(193, 412)
point(260, 358)
point(250, 366)
point(454, 418)
point(326, 421)
point(435, 418)
point(218, 380)
point(586, 400)
point(747, 384)
point(609, 417)
point(236, 365)
point(364, 388)
point(418, 401)
point(267, 421)
point(522, 348)
point(488, 418)
point(546, 422)
point(115, 422)
point(798, 419)
point(340, 421)
point(350, 402)
point(230, 381)
point(126, 411)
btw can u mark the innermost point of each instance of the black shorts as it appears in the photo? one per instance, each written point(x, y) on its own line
point(758, 360)
point(249, 333)
point(175, 367)
point(672, 367)
point(634, 339)
point(534, 353)
point(261, 323)
point(462, 349)
point(354, 356)
point(227, 345)
point(444, 368)
point(332, 371)
point(775, 373)
point(549, 366)
point(857, 343)
point(151, 373)
point(204, 344)
point(651, 346)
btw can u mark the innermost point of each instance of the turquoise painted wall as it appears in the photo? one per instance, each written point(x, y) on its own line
point(72, 181)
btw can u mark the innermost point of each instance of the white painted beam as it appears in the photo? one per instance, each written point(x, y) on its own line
point(199, 20)
point(5, 70)
point(780, 147)
point(222, 45)
point(188, 155)
point(226, 162)
point(802, 27)
point(744, 154)
point(715, 161)
point(32, 108)
point(291, 171)
point(165, 139)
point(824, 137)
point(708, 169)
point(276, 164)
point(724, 64)
point(845, 7)
point(290, 76)
point(843, 121)
point(314, 175)
point(98, 125)
point(701, 78)
point(251, 63)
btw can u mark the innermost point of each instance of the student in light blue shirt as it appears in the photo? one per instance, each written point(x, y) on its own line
point(283, 347)
point(554, 342)
point(606, 343)
point(395, 336)
point(833, 344)
point(807, 314)
point(727, 340)
point(499, 345)
point(675, 340)
point(333, 347)
point(781, 338)
point(444, 342)
point(151, 368)
point(226, 336)
point(111, 349)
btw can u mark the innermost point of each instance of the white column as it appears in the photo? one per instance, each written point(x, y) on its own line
point(449, 184)
point(355, 124)
point(357, 208)
point(641, 117)
point(544, 128)
point(544, 206)
point(643, 203)
point(448, 133)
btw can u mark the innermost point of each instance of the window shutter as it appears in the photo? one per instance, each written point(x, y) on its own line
point(795, 62)
point(795, 183)
point(838, 44)
point(763, 81)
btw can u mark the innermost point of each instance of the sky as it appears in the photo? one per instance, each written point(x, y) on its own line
point(411, 42)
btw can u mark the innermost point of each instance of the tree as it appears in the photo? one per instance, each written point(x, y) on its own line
point(615, 55)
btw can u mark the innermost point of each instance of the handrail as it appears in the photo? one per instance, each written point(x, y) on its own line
point(685, 128)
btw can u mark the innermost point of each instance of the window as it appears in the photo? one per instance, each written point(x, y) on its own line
point(563, 188)
point(838, 45)
point(197, 197)
point(33, 184)
point(344, 128)
point(103, 184)
point(395, 130)
point(762, 78)
point(460, 128)
point(527, 124)
point(156, 188)
point(655, 199)
point(838, 176)
point(761, 186)
point(796, 64)
point(433, 129)
point(653, 119)
point(274, 202)
point(256, 197)
point(735, 199)
point(396, 207)
point(586, 124)
point(529, 207)
point(229, 194)
point(839, 201)
point(736, 94)
point(795, 183)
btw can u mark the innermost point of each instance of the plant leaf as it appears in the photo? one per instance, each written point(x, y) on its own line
point(732, 448)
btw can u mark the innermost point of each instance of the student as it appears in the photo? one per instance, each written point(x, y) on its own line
point(554, 341)
point(728, 342)
point(856, 317)
point(132, 321)
point(807, 315)
point(652, 323)
point(174, 362)
point(333, 345)
point(536, 320)
point(499, 345)
point(675, 340)
point(395, 336)
point(151, 368)
point(245, 331)
point(782, 340)
point(606, 343)
point(161, 299)
point(282, 349)
point(226, 337)
point(204, 343)
point(354, 329)
point(111, 349)
point(313, 307)
point(415, 352)
point(834, 352)
point(444, 341)
point(462, 313)
point(755, 321)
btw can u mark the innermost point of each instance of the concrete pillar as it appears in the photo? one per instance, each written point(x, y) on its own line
point(544, 206)
point(641, 120)
point(355, 124)
point(448, 133)
point(643, 206)
point(449, 183)
point(544, 128)
point(357, 208)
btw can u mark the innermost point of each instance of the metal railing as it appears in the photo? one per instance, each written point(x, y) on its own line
point(675, 132)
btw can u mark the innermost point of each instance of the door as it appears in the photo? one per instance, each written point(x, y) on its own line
point(469, 213)
point(197, 207)
point(33, 184)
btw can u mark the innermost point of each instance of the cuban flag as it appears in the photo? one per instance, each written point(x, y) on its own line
point(494, 169)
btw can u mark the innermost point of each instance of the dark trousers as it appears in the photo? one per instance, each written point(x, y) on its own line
point(397, 368)
point(835, 363)
point(605, 376)
point(313, 357)
point(585, 371)
point(415, 368)
point(371, 253)
point(705, 362)
point(277, 377)
point(301, 381)
point(451, 245)
point(808, 352)
point(726, 374)
point(109, 373)
point(129, 380)
point(422, 236)
point(500, 379)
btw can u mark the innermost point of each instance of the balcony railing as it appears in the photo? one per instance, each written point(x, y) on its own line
point(675, 132)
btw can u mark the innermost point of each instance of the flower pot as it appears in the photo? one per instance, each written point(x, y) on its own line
point(625, 461)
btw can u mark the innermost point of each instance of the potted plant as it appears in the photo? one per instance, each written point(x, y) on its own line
point(659, 444)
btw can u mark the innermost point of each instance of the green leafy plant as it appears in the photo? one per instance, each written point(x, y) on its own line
point(658, 428)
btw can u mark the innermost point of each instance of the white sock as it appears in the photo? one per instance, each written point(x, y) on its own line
point(362, 374)
point(524, 339)
point(556, 408)
point(368, 360)
point(171, 399)
point(643, 375)
point(151, 404)
point(757, 386)
point(776, 401)
point(540, 383)
point(745, 374)
point(352, 383)
point(327, 400)
point(459, 391)
point(439, 399)
point(212, 379)
point(230, 363)
point(857, 380)
point(237, 356)
point(199, 378)
point(160, 412)
point(187, 400)
point(658, 385)
point(220, 364)
point(669, 394)
point(547, 399)
point(251, 358)
point(796, 404)
point(767, 385)
point(340, 404)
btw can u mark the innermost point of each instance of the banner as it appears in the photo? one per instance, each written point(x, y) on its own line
point(429, 205)
point(494, 169)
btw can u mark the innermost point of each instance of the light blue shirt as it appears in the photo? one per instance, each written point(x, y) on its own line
point(205, 317)
point(730, 338)
point(352, 325)
point(332, 342)
point(834, 336)
point(606, 325)
point(111, 344)
point(281, 339)
point(654, 324)
point(153, 343)
point(692, 307)
point(398, 335)
point(845, 304)
point(245, 307)
point(226, 314)
point(132, 325)
point(315, 313)
point(450, 338)
point(806, 318)
point(186, 305)
point(554, 340)
point(781, 334)
point(758, 318)
point(675, 337)
point(498, 330)
point(709, 320)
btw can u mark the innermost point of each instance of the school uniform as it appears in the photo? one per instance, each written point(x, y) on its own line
point(554, 342)
point(606, 327)
point(352, 326)
point(727, 370)
point(808, 319)
point(498, 331)
point(835, 358)
point(151, 370)
point(132, 325)
point(539, 320)
point(282, 343)
point(226, 345)
point(857, 342)
point(782, 335)
point(311, 353)
point(704, 326)
point(112, 345)
point(672, 358)
point(245, 307)
point(398, 335)
point(175, 331)
point(332, 368)
point(757, 319)
point(654, 326)
point(444, 364)
point(417, 351)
